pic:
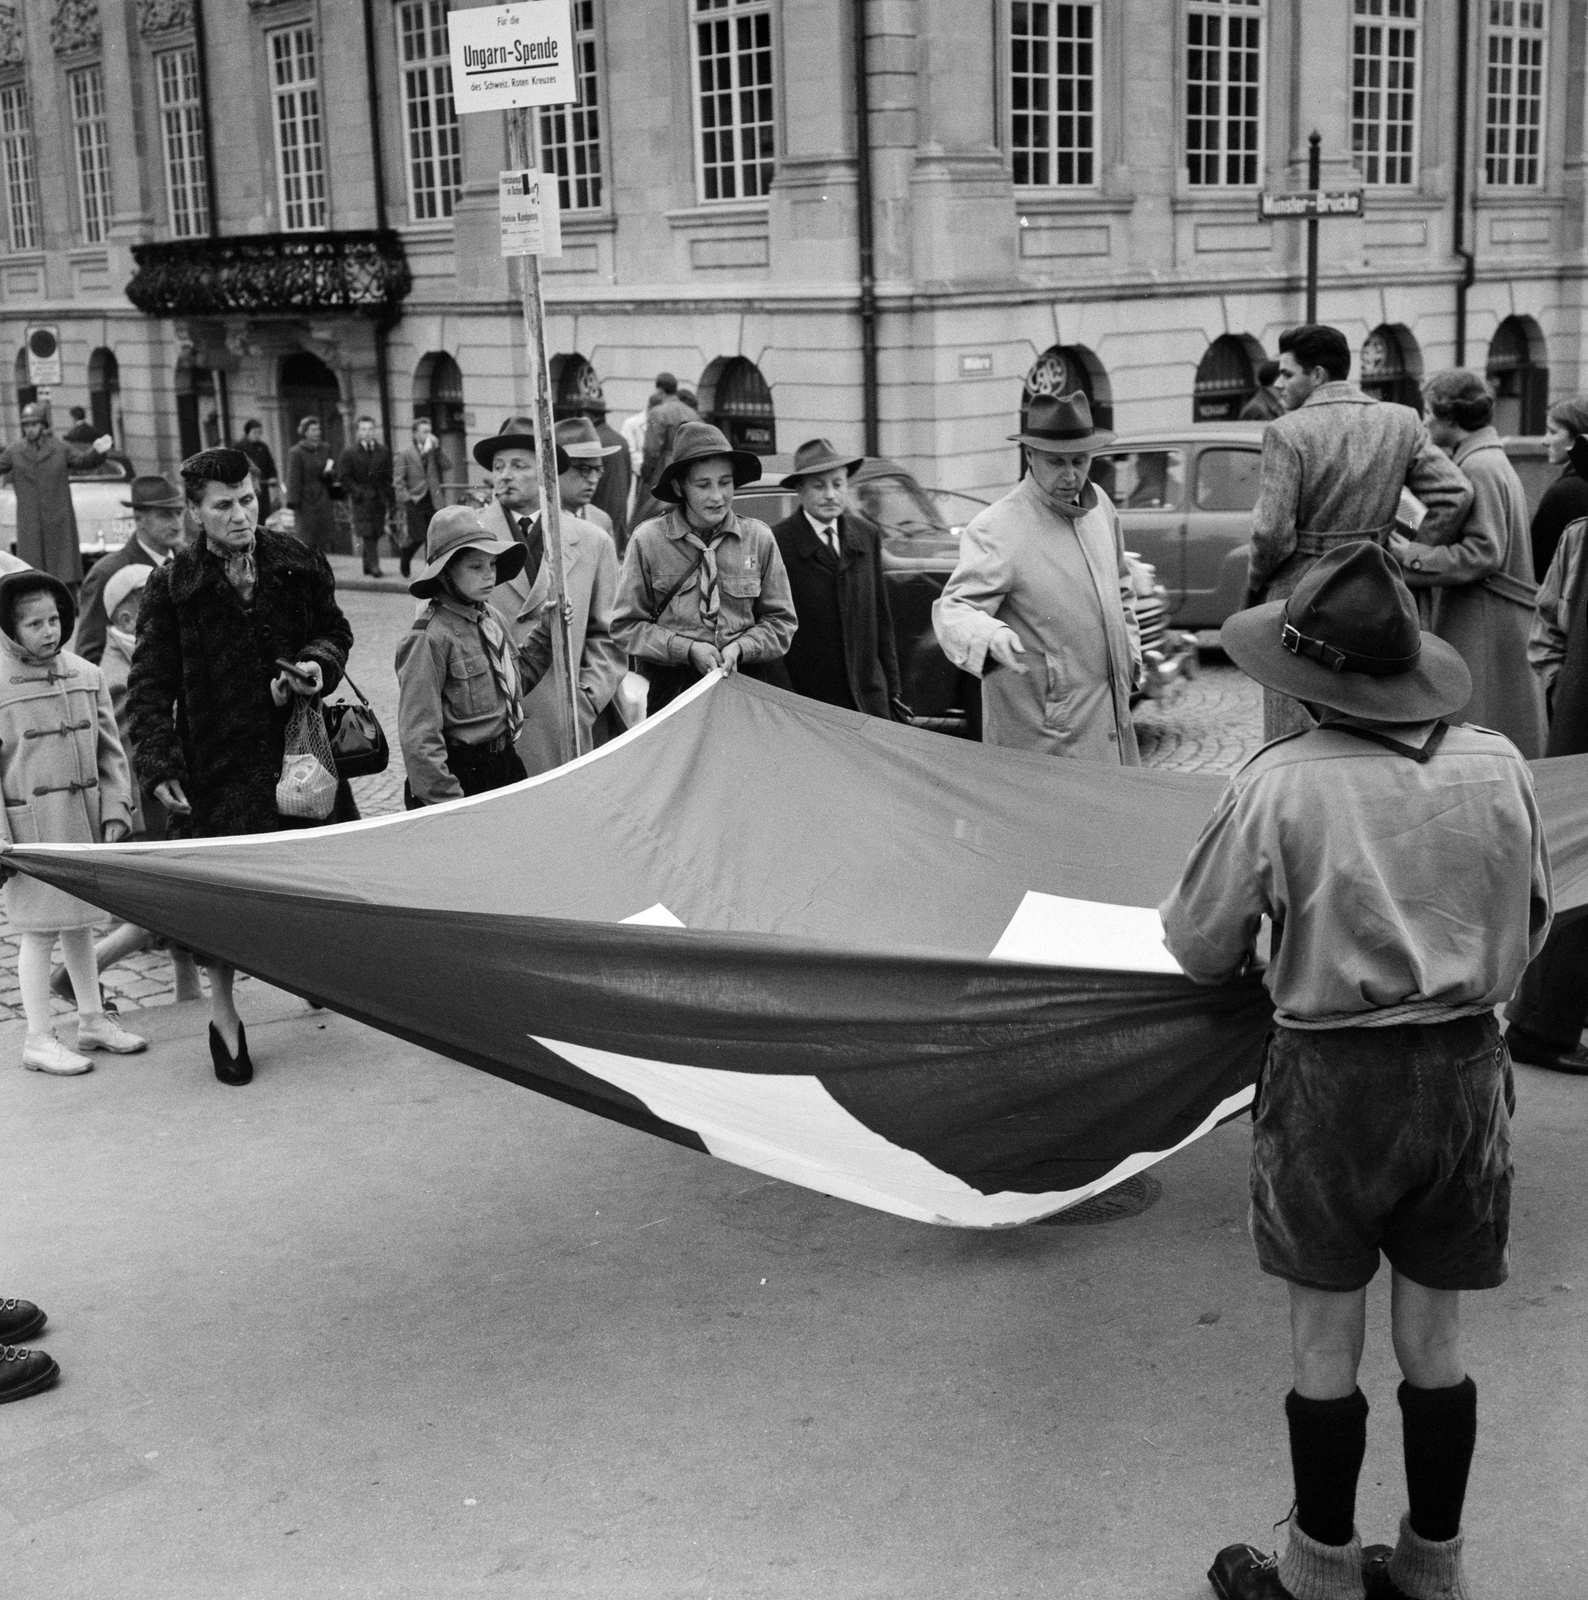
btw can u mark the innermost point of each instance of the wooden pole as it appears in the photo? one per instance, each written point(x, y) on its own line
point(564, 664)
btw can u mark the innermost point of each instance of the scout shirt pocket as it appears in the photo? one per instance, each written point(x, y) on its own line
point(676, 579)
point(739, 591)
point(471, 689)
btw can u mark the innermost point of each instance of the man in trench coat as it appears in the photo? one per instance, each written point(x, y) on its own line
point(364, 470)
point(46, 524)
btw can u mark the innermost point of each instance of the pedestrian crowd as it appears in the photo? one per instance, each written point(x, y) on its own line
point(1380, 860)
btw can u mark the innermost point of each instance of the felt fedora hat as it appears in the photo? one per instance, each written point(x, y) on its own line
point(819, 455)
point(577, 440)
point(1061, 425)
point(698, 441)
point(151, 492)
point(1347, 638)
point(456, 528)
point(516, 433)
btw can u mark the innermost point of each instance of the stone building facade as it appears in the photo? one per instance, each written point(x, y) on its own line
point(1060, 194)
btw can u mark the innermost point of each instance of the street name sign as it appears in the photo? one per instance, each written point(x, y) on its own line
point(1309, 203)
point(44, 356)
point(513, 55)
point(531, 217)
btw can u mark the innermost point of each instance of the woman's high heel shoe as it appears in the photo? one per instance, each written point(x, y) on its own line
point(235, 1070)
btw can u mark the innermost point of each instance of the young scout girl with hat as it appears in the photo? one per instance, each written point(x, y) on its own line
point(1401, 863)
point(65, 781)
point(460, 682)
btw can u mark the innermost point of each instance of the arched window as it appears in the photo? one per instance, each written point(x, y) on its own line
point(438, 395)
point(1226, 377)
point(1518, 368)
point(198, 423)
point(308, 388)
point(575, 388)
point(104, 390)
point(735, 397)
point(1062, 370)
point(26, 392)
point(1391, 366)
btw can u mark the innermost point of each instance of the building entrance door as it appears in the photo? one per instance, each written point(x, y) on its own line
point(308, 388)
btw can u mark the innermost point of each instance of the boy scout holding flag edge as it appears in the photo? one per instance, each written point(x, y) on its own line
point(1401, 862)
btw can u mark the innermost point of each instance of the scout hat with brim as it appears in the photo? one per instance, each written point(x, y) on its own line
point(517, 433)
point(151, 492)
point(456, 528)
point(699, 441)
point(577, 440)
point(819, 455)
point(1347, 638)
point(1061, 425)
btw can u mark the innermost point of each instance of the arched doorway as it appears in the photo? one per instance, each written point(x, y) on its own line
point(1226, 377)
point(104, 392)
point(1518, 368)
point(575, 388)
point(198, 418)
point(1063, 369)
point(308, 388)
point(438, 395)
point(26, 392)
point(735, 397)
point(1390, 366)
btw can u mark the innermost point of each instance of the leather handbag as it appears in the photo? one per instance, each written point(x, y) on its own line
point(358, 742)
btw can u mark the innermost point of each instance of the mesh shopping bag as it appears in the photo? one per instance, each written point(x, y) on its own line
point(307, 787)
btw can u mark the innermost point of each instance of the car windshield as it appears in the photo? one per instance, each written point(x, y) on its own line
point(900, 508)
point(109, 468)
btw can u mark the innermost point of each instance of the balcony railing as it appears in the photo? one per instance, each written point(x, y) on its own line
point(259, 273)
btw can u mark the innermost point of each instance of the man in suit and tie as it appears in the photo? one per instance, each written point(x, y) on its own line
point(364, 470)
point(158, 531)
point(590, 572)
point(843, 651)
point(416, 482)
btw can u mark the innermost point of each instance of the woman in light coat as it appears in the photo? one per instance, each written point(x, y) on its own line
point(1476, 590)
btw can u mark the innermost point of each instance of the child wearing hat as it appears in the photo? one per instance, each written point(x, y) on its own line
point(461, 683)
point(65, 780)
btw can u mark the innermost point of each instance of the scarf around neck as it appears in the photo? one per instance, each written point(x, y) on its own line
point(242, 573)
point(1074, 509)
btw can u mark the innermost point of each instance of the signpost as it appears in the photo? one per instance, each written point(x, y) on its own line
point(507, 58)
point(44, 356)
point(1311, 204)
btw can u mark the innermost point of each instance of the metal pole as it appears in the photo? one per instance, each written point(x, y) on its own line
point(1458, 220)
point(563, 662)
point(1314, 178)
point(383, 320)
point(867, 235)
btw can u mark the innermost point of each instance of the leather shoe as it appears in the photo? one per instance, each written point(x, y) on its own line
point(19, 1319)
point(1375, 1573)
point(235, 1070)
point(1538, 1052)
point(25, 1372)
point(1240, 1572)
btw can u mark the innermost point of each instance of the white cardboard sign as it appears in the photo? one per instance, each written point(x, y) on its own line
point(531, 217)
point(513, 55)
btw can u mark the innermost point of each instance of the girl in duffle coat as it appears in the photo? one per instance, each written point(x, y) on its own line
point(64, 780)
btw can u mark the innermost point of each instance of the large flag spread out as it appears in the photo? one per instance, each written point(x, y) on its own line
point(917, 973)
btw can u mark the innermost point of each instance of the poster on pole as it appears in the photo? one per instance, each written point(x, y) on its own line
point(531, 216)
point(513, 55)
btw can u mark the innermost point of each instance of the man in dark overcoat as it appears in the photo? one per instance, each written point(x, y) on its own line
point(158, 531)
point(364, 471)
point(612, 493)
point(843, 651)
point(663, 419)
point(46, 524)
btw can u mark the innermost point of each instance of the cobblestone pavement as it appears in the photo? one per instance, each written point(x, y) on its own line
point(1211, 724)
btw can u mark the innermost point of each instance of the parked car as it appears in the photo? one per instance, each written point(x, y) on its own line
point(1185, 499)
point(920, 530)
point(103, 522)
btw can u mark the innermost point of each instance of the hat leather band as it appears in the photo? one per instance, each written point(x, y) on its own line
point(1338, 660)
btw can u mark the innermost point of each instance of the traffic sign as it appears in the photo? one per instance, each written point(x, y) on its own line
point(1306, 204)
point(44, 356)
point(531, 217)
point(513, 55)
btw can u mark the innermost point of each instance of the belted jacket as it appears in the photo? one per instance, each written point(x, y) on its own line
point(63, 773)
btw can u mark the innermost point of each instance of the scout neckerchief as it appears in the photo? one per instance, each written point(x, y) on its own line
point(1418, 753)
point(504, 670)
point(710, 593)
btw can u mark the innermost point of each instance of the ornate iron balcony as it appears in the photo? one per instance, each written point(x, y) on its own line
point(257, 273)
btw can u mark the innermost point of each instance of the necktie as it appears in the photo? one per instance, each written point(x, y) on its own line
point(830, 534)
point(504, 670)
point(706, 578)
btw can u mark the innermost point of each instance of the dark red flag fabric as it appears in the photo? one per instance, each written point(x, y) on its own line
point(921, 974)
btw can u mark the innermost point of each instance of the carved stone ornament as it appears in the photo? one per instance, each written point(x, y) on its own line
point(10, 36)
point(163, 16)
point(75, 26)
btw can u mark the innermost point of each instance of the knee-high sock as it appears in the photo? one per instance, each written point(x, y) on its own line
point(33, 979)
point(77, 950)
point(1439, 1428)
point(1328, 1439)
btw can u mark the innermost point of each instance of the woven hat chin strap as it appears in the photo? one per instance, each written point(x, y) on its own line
point(1338, 660)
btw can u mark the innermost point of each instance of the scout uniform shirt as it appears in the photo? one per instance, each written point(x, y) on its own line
point(1400, 891)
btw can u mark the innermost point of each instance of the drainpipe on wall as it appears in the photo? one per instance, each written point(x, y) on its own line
point(385, 320)
point(867, 233)
point(223, 399)
point(1458, 224)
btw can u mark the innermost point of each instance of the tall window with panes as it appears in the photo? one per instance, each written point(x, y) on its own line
point(570, 136)
point(1513, 103)
point(736, 135)
point(16, 152)
point(1052, 87)
point(182, 129)
point(435, 151)
point(300, 138)
point(1224, 92)
point(91, 136)
point(1385, 51)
